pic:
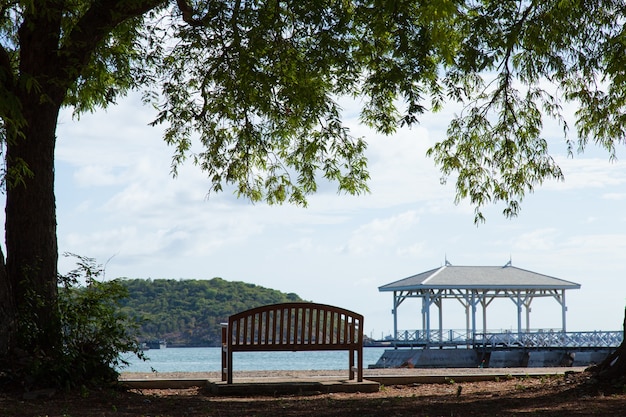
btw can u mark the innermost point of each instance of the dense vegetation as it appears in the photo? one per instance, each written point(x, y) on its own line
point(189, 312)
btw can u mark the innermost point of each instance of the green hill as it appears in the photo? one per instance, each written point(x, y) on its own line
point(189, 312)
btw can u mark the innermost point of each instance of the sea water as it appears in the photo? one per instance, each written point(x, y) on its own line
point(209, 360)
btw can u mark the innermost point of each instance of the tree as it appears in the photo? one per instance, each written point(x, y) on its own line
point(254, 82)
point(248, 90)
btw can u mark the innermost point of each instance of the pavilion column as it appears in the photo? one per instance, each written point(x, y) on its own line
point(395, 315)
point(426, 314)
point(484, 302)
point(467, 319)
point(519, 313)
point(563, 310)
point(440, 305)
point(527, 302)
point(484, 305)
point(473, 300)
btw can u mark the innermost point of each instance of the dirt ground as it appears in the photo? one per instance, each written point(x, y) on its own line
point(549, 395)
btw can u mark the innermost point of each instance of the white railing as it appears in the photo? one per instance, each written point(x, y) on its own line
point(535, 338)
point(434, 337)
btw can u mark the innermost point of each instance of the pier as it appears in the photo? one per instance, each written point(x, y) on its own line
point(535, 349)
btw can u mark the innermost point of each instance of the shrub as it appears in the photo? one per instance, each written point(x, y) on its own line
point(96, 333)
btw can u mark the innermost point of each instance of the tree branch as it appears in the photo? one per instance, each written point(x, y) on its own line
point(188, 12)
point(5, 60)
point(98, 22)
point(6, 72)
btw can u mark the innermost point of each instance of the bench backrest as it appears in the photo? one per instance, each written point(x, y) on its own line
point(294, 327)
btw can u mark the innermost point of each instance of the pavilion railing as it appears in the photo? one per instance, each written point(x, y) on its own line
point(433, 337)
point(506, 339)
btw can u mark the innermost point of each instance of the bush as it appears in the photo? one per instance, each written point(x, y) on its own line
point(95, 331)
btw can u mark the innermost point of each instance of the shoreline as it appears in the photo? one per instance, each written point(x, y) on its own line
point(342, 374)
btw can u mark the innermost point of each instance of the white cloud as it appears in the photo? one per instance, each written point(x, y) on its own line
point(614, 196)
point(537, 240)
point(416, 250)
point(584, 173)
point(381, 233)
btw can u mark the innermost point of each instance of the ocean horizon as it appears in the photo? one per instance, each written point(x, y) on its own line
point(208, 359)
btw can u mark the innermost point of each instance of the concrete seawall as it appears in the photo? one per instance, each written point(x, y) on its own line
point(504, 358)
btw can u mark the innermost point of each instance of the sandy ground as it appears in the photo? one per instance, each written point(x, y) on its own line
point(343, 373)
point(571, 395)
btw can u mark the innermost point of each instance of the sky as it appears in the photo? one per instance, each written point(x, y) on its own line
point(117, 202)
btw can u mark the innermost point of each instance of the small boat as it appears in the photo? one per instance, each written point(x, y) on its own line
point(156, 344)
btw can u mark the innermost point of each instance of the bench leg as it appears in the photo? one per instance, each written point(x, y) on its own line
point(225, 363)
point(351, 364)
point(230, 367)
point(360, 365)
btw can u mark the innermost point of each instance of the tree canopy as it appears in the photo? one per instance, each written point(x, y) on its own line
point(249, 89)
point(518, 64)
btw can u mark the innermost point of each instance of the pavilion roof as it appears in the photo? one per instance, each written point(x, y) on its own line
point(505, 277)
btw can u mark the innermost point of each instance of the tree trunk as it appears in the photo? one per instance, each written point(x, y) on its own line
point(613, 367)
point(31, 242)
point(8, 314)
point(31, 227)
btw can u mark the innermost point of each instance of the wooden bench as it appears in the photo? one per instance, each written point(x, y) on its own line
point(293, 327)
